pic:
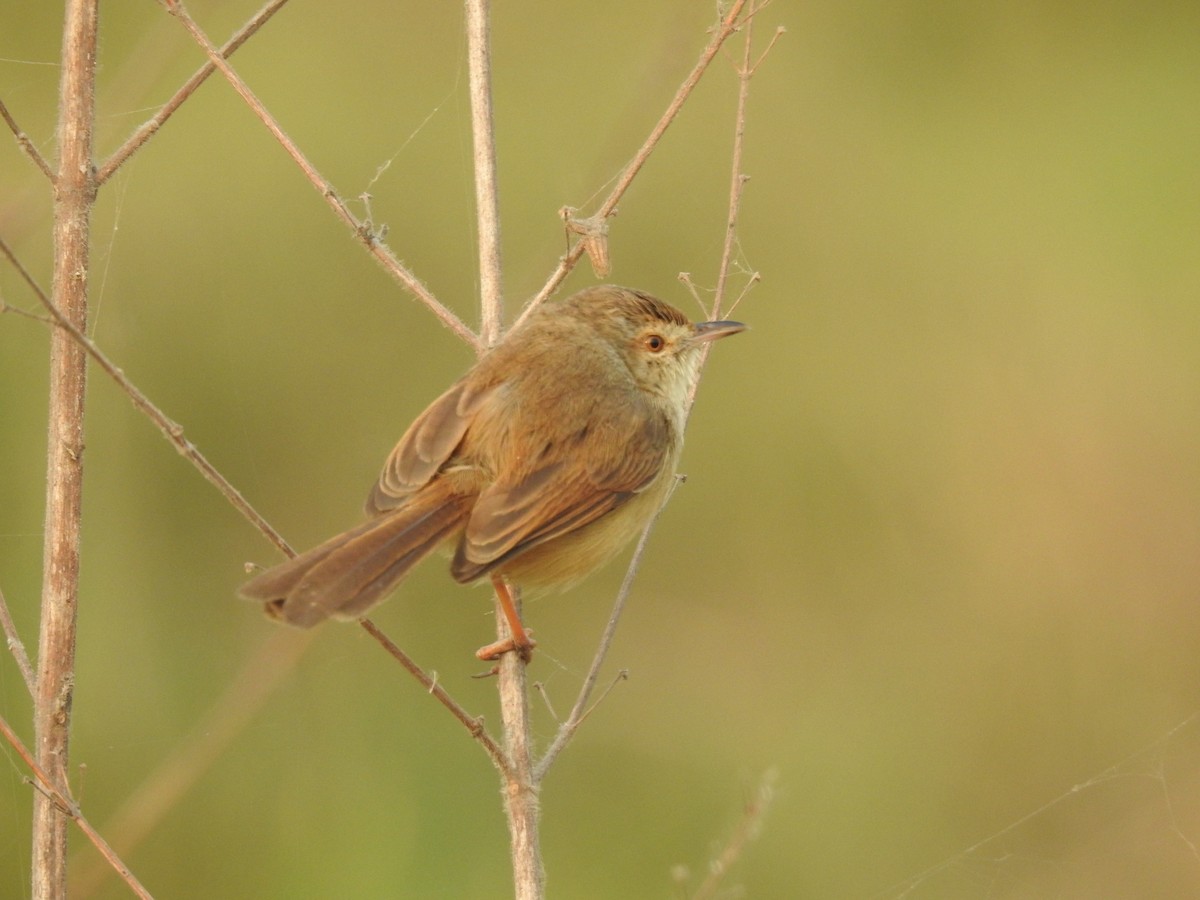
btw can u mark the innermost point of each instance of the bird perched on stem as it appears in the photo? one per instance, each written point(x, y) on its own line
point(535, 467)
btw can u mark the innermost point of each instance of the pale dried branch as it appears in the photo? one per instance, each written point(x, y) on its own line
point(738, 179)
point(74, 195)
point(730, 23)
point(68, 807)
point(368, 238)
point(568, 728)
point(748, 828)
point(150, 128)
point(169, 428)
point(487, 203)
point(24, 273)
point(519, 787)
point(15, 646)
point(737, 184)
point(473, 724)
point(26, 144)
point(566, 731)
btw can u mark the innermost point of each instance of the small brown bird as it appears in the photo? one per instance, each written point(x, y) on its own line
point(535, 467)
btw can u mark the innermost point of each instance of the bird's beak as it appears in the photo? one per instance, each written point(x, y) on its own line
point(710, 331)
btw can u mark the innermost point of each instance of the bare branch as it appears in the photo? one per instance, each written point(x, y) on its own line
point(579, 711)
point(362, 232)
point(26, 144)
point(22, 271)
point(738, 179)
point(521, 803)
point(737, 183)
point(171, 430)
point(747, 830)
point(67, 806)
point(728, 25)
point(520, 790)
point(472, 724)
point(150, 128)
point(74, 194)
point(487, 204)
point(15, 646)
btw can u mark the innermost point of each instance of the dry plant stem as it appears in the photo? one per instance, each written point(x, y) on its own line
point(520, 790)
point(521, 803)
point(73, 197)
point(579, 711)
point(368, 238)
point(487, 203)
point(737, 181)
point(568, 728)
point(26, 144)
point(244, 696)
point(229, 716)
point(15, 646)
point(150, 128)
point(747, 829)
point(472, 724)
point(728, 25)
point(170, 429)
point(50, 792)
point(24, 273)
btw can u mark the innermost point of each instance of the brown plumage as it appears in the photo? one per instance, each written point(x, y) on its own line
point(537, 465)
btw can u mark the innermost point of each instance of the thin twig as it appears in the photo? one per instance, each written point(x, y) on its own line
point(150, 128)
point(15, 646)
point(174, 433)
point(246, 693)
point(747, 829)
point(368, 238)
point(472, 724)
point(579, 711)
point(487, 204)
point(22, 271)
point(169, 428)
point(26, 144)
point(51, 793)
point(622, 675)
point(737, 182)
point(728, 25)
point(738, 179)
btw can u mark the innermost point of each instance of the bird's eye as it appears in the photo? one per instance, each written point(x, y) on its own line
point(654, 342)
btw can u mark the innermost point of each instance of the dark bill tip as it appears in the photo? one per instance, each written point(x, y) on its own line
point(710, 331)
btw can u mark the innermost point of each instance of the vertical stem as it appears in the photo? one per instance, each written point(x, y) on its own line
point(520, 789)
point(519, 786)
point(737, 181)
point(73, 196)
point(487, 203)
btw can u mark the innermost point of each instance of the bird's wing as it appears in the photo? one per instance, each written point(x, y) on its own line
point(572, 483)
point(428, 445)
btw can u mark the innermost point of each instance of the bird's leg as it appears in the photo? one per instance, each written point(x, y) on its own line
point(519, 639)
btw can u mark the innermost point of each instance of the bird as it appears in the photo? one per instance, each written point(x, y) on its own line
point(534, 468)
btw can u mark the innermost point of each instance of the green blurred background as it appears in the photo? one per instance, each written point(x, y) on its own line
point(936, 561)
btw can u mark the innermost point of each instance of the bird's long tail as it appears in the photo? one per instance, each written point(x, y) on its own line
point(352, 572)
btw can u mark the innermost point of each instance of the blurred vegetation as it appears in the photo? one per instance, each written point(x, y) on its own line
point(937, 558)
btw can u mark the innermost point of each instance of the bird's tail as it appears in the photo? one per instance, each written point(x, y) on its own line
point(347, 575)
